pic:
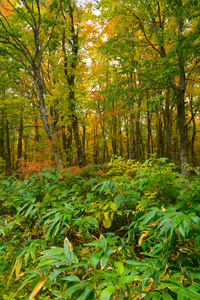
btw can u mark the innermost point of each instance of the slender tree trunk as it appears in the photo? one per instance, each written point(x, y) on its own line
point(159, 127)
point(120, 138)
point(20, 138)
point(2, 138)
point(183, 132)
point(132, 139)
point(194, 131)
point(127, 136)
point(37, 135)
point(167, 116)
point(148, 134)
point(102, 124)
point(138, 139)
point(114, 130)
point(142, 144)
point(8, 154)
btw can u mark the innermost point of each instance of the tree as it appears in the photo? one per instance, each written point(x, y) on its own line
point(22, 38)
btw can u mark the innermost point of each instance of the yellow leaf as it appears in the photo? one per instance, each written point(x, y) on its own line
point(150, 283)
point(107, 222)
point(142, 237)
point(163, 209)
point(13, 269)
point(106, 215)
point(105, 206)
point(37, 287)
point(113, 206)
point(18, 267)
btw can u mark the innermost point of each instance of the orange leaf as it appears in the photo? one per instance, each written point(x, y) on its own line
point(37, 287)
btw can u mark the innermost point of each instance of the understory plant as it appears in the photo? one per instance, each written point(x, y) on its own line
point(133, 233)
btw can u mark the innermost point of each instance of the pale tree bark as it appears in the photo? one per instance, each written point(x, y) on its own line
point(30, 58)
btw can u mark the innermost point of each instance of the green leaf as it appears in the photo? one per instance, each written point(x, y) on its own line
point(148, 217)
point(153, 296)
point(68, 251)
point(156, 277)
point(53, 275)
point(29, 209)
point(70, 278)
point(96, 258)
point(136, 263)
point(107, 292)
point(86, 294)
point(186, 292)
point(186, 224)
point(181, 230)
point(126, 279)
point(197, 242)
point(75, 288)
point(104, 260)
point(103, 242)
point(167, 297)
point(120, 266)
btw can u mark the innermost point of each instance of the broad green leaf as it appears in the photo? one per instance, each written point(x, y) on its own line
point(186, 292)
point(107, 292)
point(76, 287)
point(181, 230)
point(96, 258)
point(153, 296)
point(120, 266)
point(186, 224)
point(125, 279)
point(86, 294)
point(136, 263)
point(156, 278)
point(103, 260)
point(53, 275)
point(103, 242)
point(70, 278)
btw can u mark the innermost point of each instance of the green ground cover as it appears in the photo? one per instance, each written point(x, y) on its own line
point(124, 230)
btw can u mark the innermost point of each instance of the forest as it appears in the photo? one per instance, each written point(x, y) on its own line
point(99, 149)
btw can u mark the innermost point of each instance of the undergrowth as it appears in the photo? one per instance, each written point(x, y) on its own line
point(121, 231)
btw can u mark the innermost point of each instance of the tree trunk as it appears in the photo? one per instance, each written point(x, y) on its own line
point(8, 154)
point(148, 134)
point(20, 137)
point(40, 90)
point(184, 140)
point(2, 137)
point(132, 140)
point(114, 130)
point(194, 131)
point(167, 116)
point(37, 135)
point(138, 139)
